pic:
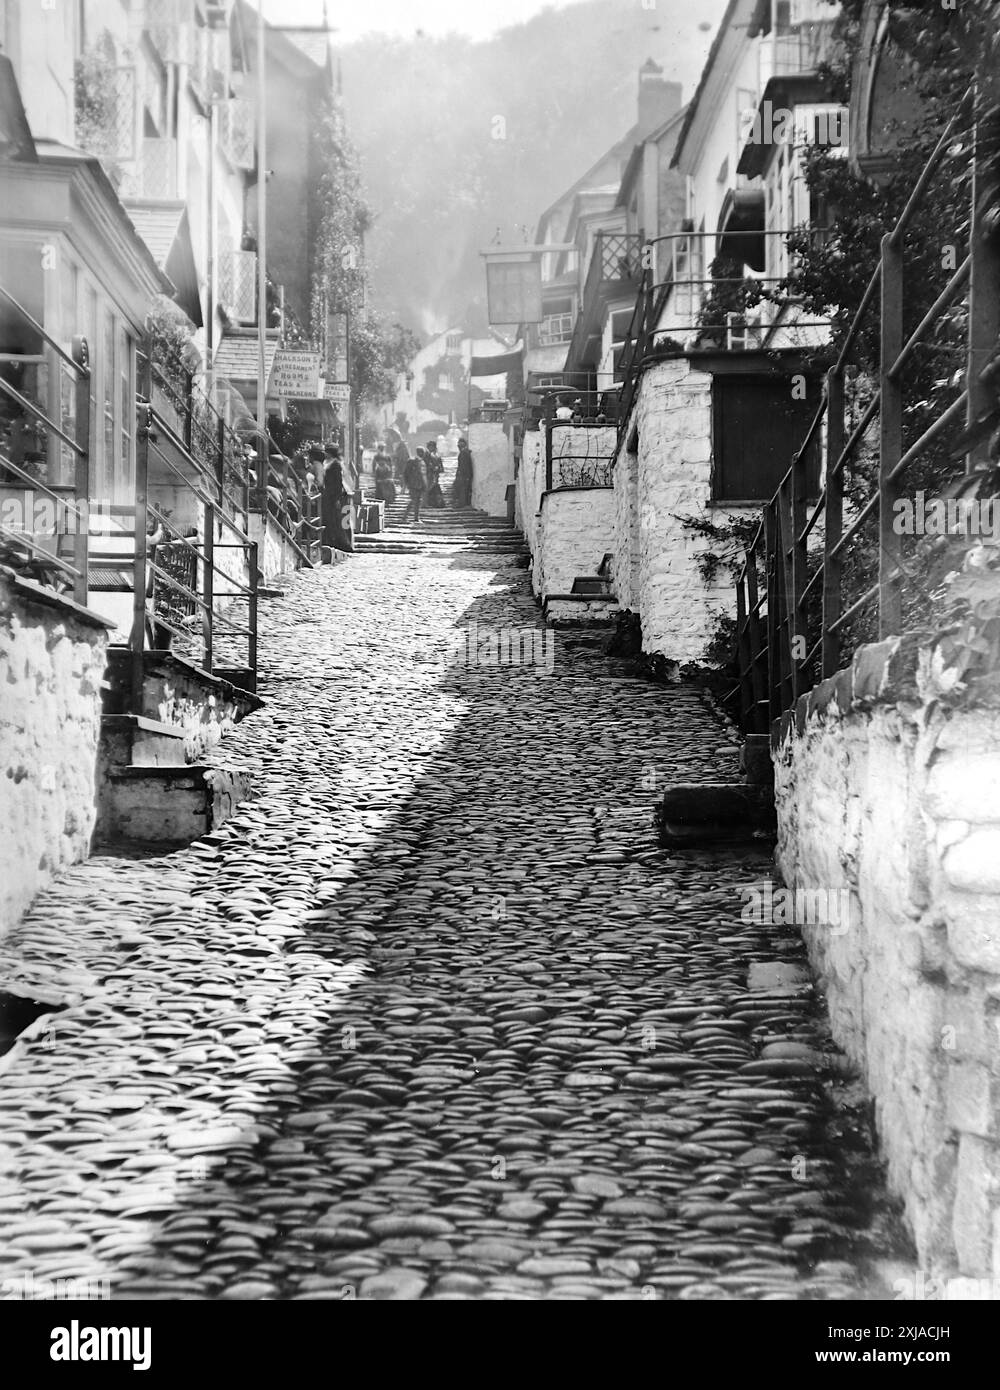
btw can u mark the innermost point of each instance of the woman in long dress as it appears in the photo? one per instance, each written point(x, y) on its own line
point(461, 488)
point(385, 488)
point(433, 467)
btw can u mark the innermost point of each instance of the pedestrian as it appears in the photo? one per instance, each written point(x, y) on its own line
point(401, 458)
point(434, 467)
point(338, 503)
point(461, 488)
point(416, 485)
point(385, 488)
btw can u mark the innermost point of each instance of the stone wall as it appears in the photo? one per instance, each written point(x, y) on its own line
point(679, 610)
point(52, 658)
point(576, 531)
point(530, 485)
point(626, 551)
point(492, 466)
point(897, 806)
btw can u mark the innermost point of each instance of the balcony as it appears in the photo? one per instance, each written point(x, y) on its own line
point(796, 53)
point(613, 272)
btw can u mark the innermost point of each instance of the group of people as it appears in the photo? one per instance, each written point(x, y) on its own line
point(420, 475)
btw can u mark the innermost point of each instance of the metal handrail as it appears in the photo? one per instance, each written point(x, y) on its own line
point(779, 544)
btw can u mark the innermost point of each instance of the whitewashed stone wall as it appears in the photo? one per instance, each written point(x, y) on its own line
point(577, 447)
point(678, 609)
point(626, 551)
point(492, 467)
point(530, 484)
point(52, 662)
point(900, 807)
point(576, 531)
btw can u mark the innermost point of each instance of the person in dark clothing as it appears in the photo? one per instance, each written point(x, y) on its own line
point(385, 488)
point(337, 508)
point(461, 488)
point(400, 458)
point(433, 467)
point(416, 485)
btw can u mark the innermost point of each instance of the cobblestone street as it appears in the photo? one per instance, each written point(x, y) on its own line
point(434, 1016)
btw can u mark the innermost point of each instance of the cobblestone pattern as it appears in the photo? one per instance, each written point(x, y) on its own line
point(434, 1017)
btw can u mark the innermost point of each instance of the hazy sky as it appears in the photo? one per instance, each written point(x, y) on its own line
point(477, 18)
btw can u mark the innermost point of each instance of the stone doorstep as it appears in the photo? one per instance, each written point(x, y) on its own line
point(715, 812)
point(133, 740)
point(161, 663)
point(580, 608)
point(169, 805)
point(880, 673)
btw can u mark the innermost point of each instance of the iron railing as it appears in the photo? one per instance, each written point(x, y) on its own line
point(579, 452)
point(195, 567)
point(739, 312)
point(792, 623)
point(34, 448)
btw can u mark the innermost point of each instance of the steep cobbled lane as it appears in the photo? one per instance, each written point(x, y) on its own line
point(434, 1017)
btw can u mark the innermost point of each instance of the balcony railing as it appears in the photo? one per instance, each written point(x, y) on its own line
point(194, 566)
point(616, 259)
point(801, 51)
point(680, 305)
point(49, 541)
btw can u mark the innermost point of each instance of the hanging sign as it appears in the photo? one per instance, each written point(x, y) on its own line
point(294, 372)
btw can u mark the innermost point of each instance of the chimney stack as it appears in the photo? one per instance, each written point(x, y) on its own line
point(658, 98)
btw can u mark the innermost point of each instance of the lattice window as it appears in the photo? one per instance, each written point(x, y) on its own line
point(238, 285)
point(122, 131)
point(158, 169)
point(236, 124)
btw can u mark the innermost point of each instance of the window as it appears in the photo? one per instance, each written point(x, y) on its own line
point(756, 428)
point(445, 382)
point(555, 328)
point(453, 343)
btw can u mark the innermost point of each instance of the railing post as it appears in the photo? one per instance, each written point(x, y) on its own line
point(772, 560)
point(141, 540)
point(252, 552)
point(758, 683)
point(833, 518)
point(188, 410)
point(799, 634)
point(208, 587)
point(82, 487)
point(744, 657)
point(984, 278)
point(891, 438)
point(786, 593)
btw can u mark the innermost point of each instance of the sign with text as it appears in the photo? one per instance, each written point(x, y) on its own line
point(338, 391)
point(294, 372)
point(514, 290)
